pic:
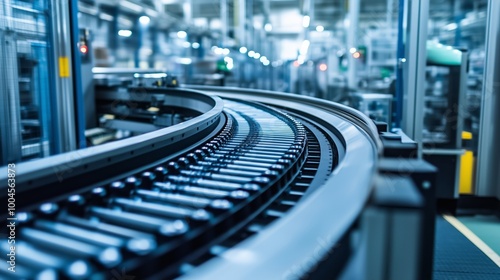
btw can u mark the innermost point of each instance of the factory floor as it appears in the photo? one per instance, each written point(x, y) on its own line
point(467, 248)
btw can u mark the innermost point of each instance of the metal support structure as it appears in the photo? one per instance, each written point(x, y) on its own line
point(401, 59)
point(266, 4)
point(10, 116)
point(77, 75)
point(414, 70)
point(64, 110)
point(248, 23)
point(113, 31)
point(458, 15)
point(488, 180)
point(308, 9)
point(390, 11)
point(187, 9)
point(223, 20)
point(239, 15)
point(352, 33)
point(139, 29)
point(239, 20)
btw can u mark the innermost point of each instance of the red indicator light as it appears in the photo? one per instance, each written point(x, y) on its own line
point(356, 55)
point(84, 49)
point(323, 67)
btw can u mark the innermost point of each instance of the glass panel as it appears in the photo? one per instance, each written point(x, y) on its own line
point(25, 25)
point(453, 97)
point(459, 24)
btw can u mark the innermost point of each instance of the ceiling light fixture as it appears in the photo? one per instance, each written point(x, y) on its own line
point(305, 21)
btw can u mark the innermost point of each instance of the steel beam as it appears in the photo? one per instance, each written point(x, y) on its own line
point(64, 111)
point(414, 70)
point(488, 166)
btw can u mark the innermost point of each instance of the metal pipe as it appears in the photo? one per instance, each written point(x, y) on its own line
point(223, 19)
point(414, 70)
point(352, 34)
point(64, 83)
point(488, 181)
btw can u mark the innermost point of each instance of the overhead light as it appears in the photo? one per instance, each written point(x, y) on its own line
point(243, 50)
point(144, 51)
point(268, 27)
point(356, 55)
point(184, 60)
point(305, 21)
point(195, 45)
point(144, 20)
point(263, 58)
point(106, 17)
point(186, 44)
point(150, 75)
point(87, 10)
point(151, 13)
point(125, 22)
point(225, 51)
point(304, 47)
point(257, 24)
point(347, 23)
point(251, 53)
point(266, 63)
point(301, 59)
point(352, 50)
point(256, 55)
point(451, 26)
point(131, 6)
point(320, 28)
point(218, 51)
point(182, 34)
point(323, 67)
point(229, 63)
point(125, 33)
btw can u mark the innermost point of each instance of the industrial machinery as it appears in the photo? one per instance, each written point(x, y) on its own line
point(444, 111)
point(240, 184)
point(377, 106)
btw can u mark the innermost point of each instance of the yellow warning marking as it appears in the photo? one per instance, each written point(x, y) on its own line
point(473, 238)
point(64, 67)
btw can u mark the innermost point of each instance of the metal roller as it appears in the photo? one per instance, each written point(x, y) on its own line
point(224, 193)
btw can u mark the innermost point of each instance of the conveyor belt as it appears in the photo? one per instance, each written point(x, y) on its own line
point(220, 195)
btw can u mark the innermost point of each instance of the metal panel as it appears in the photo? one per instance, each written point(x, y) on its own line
point(414, 70)
point(488, 168)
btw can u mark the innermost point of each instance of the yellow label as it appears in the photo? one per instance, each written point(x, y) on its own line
point(64, 67)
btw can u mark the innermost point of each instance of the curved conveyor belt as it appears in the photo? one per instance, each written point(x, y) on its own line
point(226, 194)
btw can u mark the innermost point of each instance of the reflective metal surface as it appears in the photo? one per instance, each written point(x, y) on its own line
point(488, 180)
point(201, 190)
